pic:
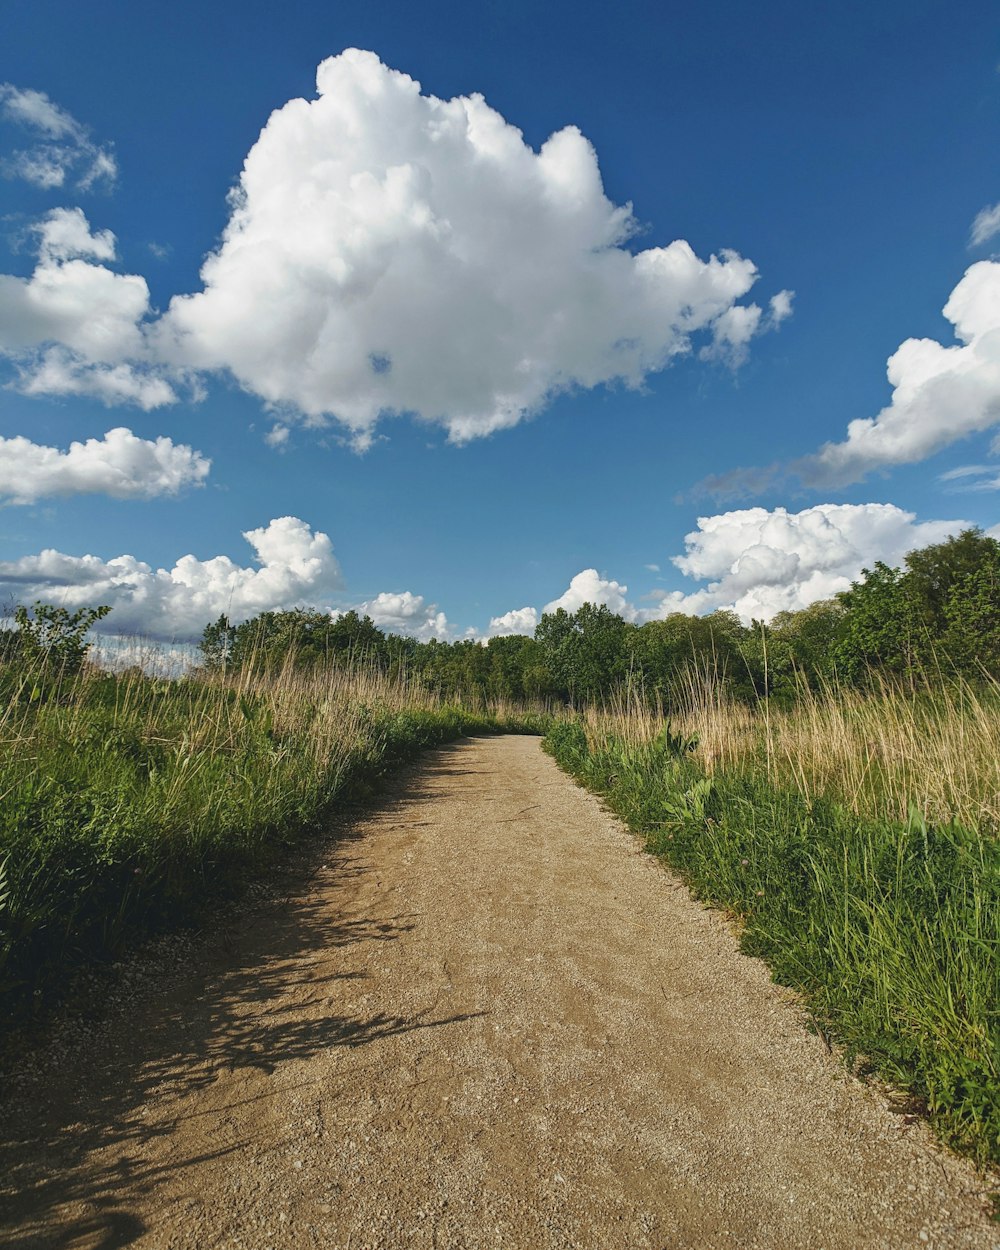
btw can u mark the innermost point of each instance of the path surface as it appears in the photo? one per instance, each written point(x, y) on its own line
point(488, 1020)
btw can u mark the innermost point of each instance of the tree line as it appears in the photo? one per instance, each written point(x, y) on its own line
point(937, 614)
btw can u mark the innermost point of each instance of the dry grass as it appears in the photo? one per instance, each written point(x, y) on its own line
point(885, 752)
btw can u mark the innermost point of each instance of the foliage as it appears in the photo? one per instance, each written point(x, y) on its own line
point(51, 638)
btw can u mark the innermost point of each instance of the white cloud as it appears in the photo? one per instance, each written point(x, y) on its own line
point(589, 587)
point(761, 562)
point(78, 328)
point(294, 567)
point(780, 308)
point(120, 465)
point(62, 149)
point(65, 233)
point(393, 252)
point(406, 613)
point(517, 621)
point(940, 393)
point(277, 436)
point(733, 330)
point(986, 225)
point(58, 372)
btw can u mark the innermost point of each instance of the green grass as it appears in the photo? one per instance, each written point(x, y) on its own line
point(128, 804)
point(890, 928)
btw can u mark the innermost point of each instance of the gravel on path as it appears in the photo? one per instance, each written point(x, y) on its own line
point(485, 1019)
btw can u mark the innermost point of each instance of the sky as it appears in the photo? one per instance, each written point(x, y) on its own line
point(456, 313)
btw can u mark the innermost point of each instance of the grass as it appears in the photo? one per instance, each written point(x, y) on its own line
point(128, 803)
point(856, 838)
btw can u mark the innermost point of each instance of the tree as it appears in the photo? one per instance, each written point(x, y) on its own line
point(936, 572)
point(216, 644)
point(53, 636)
point(882, 628)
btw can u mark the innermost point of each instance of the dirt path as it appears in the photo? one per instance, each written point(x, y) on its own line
point(487, 1020)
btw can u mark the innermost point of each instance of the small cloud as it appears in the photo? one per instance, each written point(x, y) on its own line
point(517, 621)
point(120, 465)
point(63, 148)
point(985, 226)
point(277, 436)
point(743, 483)
point(589, 587)
point(653, 568)
point(160, 250)
point(988, 474)
point(941, 391)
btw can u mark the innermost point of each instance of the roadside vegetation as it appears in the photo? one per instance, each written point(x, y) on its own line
point(129, 802)
point(831, 779)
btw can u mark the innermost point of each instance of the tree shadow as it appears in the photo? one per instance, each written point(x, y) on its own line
point(254, 997)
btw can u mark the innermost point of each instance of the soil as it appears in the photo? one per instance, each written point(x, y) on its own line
point(483, 1018)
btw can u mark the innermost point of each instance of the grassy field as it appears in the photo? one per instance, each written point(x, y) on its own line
point(127, 803)
point(856, 838)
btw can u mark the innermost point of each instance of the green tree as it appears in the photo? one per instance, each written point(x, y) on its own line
point(53, 636)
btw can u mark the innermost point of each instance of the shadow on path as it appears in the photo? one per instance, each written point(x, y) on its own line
point(254, 997)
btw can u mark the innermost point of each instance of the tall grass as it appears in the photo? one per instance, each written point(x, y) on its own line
point(126, 802)
point(884, 750)
point(855, 835)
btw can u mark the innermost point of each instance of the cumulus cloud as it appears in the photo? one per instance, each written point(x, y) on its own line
point(986, 225)
point(517, 621)
point(589, 587)
point(75, 327)
point(391, 252)
point(759, 562)
point(294, 566)
point(61, 150)
point(940, 393)
point(387, 252)
point(406, 613)
point(120, 465)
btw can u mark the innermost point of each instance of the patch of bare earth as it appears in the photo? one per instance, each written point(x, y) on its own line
point(487, 1020)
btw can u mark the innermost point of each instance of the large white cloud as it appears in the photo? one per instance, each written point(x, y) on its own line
point(940, 393)
point(61, 148)
point(761, 562)
point(393, 252)
point(295, 566)
point(120, 465)
point(387, 252)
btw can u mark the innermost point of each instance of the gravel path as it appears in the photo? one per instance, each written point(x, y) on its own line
point(487, 1020)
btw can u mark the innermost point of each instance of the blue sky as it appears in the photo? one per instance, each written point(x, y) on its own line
point(581, 390)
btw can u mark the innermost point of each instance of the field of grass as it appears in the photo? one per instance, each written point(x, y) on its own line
point(856, 838)
point(127, 803)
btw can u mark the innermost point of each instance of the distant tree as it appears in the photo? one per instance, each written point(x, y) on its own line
point(812, 636)
point(216, 644)
point(54, 636)
point(883, 628)
point(935, 574)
